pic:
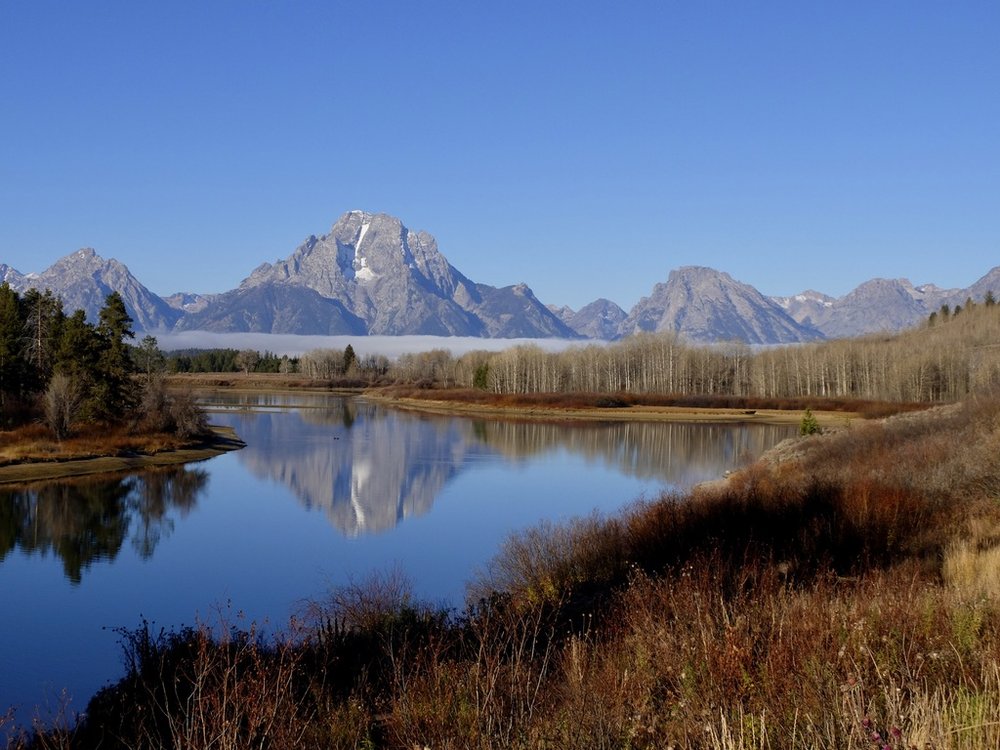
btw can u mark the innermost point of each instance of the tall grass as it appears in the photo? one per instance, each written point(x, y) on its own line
point(844, 592)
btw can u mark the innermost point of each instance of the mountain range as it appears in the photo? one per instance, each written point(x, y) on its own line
point(370, 274)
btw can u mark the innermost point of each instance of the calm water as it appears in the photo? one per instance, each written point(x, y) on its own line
point(328, 489)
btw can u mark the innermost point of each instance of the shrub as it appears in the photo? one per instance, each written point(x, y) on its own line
point(171, 412)
point(188, 418)
point(61, 404)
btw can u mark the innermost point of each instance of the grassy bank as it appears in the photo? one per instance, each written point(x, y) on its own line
point(633, 406)
point(31, 454)
point(842, 593)
point(262, 381)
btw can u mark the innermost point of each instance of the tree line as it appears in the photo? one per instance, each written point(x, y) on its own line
point(949, 358)
point(65, 370)
point(229, 360)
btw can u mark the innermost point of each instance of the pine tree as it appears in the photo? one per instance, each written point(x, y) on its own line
point(809, 424)
point(44, 318)
point(114, 389)
point(12, 361)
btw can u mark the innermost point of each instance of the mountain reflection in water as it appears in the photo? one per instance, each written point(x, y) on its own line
point(85, 520)
point(368, 468)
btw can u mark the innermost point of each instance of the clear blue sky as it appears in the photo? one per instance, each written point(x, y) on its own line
point(584, 148)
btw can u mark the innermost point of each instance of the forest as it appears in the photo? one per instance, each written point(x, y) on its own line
point(74, 376)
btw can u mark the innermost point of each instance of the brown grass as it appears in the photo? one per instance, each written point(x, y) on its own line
point(866, 408)
point(33, 443)
point(262, 381)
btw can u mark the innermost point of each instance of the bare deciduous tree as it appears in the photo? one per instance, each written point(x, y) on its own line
point(61, 404)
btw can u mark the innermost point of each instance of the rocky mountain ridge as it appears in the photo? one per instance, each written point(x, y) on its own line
point(708, 305)
point(370, 274)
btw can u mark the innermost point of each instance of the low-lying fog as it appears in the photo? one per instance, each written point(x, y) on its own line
point(390, 346)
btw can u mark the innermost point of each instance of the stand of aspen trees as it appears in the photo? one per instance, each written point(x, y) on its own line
point(940, 361)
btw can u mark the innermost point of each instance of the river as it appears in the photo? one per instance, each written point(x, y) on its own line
point(328, 490)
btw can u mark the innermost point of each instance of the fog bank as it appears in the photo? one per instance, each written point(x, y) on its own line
point(391, 346)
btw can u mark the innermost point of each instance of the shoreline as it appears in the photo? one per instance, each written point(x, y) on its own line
point(279, 383)
point(225, 439)
point(222, 440)
point(717, 415)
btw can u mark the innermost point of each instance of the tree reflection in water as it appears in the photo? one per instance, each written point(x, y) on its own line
point(89, 519)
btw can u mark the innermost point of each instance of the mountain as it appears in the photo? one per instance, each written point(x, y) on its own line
point(988, 283)
point(601, 319)
point(370, 274)
point(185, 302)
point(810, 308)
point(11, 276)
point(704, 305)
point(515, 312)
point(881, 305)
point(274, 308)
point(84, 279)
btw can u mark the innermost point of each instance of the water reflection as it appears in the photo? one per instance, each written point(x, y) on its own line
point(675, 453)
point(365, 467)
point(85, 520)
point(368, 468)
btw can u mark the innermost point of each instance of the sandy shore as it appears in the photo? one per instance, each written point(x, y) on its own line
point(224, 439)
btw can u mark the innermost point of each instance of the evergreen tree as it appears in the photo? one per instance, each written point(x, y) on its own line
point(349, 358)
point(44, 319)
point(114, 388)
point(481, 377)
point(12, 361)
point(77, 355)
point(809, 424)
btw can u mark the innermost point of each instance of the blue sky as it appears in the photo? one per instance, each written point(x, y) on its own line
point(584, 148)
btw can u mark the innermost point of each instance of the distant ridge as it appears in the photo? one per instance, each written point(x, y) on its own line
point(371, 275)
point(706, 305)
point(84, 279)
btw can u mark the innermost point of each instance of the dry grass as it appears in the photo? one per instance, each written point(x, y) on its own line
point(35, 442)
point(866, 408)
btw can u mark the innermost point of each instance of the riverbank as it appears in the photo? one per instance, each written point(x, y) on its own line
point(431, 405)
point(829, 412)
point(220, 440)
point(264, 381)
